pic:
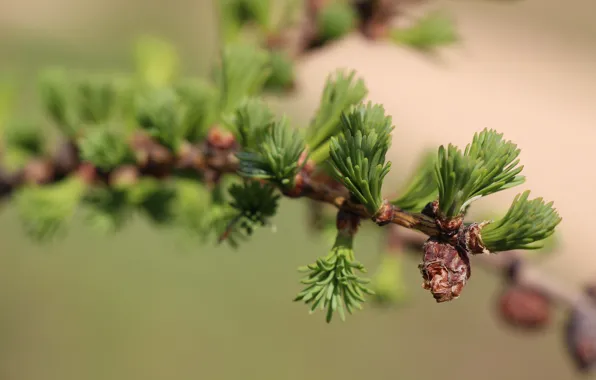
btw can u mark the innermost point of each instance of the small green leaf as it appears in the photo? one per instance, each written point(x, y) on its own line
point(105, 147)
point(488, 165)
point(25, 136)
point(96, 98)
point(107, 210)
point(198, 100)
point(432, 30)
point(277, 156)
point(254, 204)
point(160, 113)
point(156, 200)
point(251, 121)
point(244, 70)
point(331, 282)
point(358, 154)
point(57, 97)
point(342, 90)
point(46, 210)
point(526, 224)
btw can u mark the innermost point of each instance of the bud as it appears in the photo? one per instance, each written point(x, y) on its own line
point(525, 307)
point(580, 336)
point(218, 138)
point(444, 269)
point(123, 176)
point(38, 171)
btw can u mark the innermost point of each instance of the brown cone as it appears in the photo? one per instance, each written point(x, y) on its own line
point(580, 336)
point(525, 307)
point(444, 269)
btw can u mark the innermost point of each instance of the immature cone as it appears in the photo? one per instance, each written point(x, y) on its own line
point(444, 269)
point(525, 307)
point(580, 336)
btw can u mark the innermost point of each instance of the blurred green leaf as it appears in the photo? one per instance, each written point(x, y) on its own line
point(432, 30)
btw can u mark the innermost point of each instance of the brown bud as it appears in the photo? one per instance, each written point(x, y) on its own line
point(525, 307)
point(87, 172)
point(124, 175)
point(580, 336)
point(190, 157)
point(153, 158)
point(38, 171)
point(444, 269)
point(220, 139)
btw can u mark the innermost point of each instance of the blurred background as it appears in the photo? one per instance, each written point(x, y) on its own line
point(145, 304)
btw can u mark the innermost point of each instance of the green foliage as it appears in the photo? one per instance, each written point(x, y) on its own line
point(24, 135)
point(525, 225)
point(157, 61)
point(252, 119)
point(488, 165)
point(332, 283)
point(96, 98)
point(155, 200)
point(180, 203)
point(75, 100)
point(263, 18)
point(44, 211)
point(358, 154)
point(56, 94)
point(199, 103)
point(159, 112)
point(432, 30)
point(421, 187)
point(341, 92)
point(255, 203)
point(336, 19)
point(106, 210)
point(237, 13)
point(387, 283)
point(105, 147)
point(282, 71)
point(22, 140)
point(243, 72)
point(191, 205)
point(277, 156)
